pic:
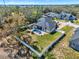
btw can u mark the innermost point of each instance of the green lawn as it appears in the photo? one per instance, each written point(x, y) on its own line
point(76, 21)
point(62, 49)
point(68, 52)
point(45, 40)
point(67, 28)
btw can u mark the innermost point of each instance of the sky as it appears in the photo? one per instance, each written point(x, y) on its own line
point(39, 2)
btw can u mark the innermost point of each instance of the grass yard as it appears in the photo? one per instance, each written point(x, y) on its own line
point(67, 29)
point(76, 22)
point(43, 41)
point(62, 49)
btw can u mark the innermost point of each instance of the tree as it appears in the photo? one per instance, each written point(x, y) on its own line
point(46, 10)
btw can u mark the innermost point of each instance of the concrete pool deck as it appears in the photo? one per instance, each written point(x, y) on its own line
point(41, 32)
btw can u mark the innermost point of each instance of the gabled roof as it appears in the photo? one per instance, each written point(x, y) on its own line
point(76, 34)
point(68, 16)
point(46, 20)
point(50, 22)
point(41, 21)
point(51, 14)
point(74, 43)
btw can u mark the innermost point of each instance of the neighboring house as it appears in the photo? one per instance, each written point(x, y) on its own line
point(45, 24)
point(67, 16)
point(62, 15)
point(53, 15)
point(74, 43)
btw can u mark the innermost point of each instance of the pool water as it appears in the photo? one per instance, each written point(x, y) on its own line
point(36, 30)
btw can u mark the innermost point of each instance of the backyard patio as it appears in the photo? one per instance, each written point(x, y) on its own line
point(41, 42)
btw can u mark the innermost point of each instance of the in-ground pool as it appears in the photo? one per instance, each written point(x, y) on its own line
point(38, 32)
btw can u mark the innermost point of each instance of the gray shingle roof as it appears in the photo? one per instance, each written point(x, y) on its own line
point(67, 16)
point(76, 34)
point(74, 43)
point(48, 22)
point(51, 14)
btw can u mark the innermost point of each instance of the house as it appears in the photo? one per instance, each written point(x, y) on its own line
point(74, 43)
point(62, 15)
point(67, 16)
point(53, 15)
point(45, 24)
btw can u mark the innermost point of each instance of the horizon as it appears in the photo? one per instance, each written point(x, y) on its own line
point(38, 2)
